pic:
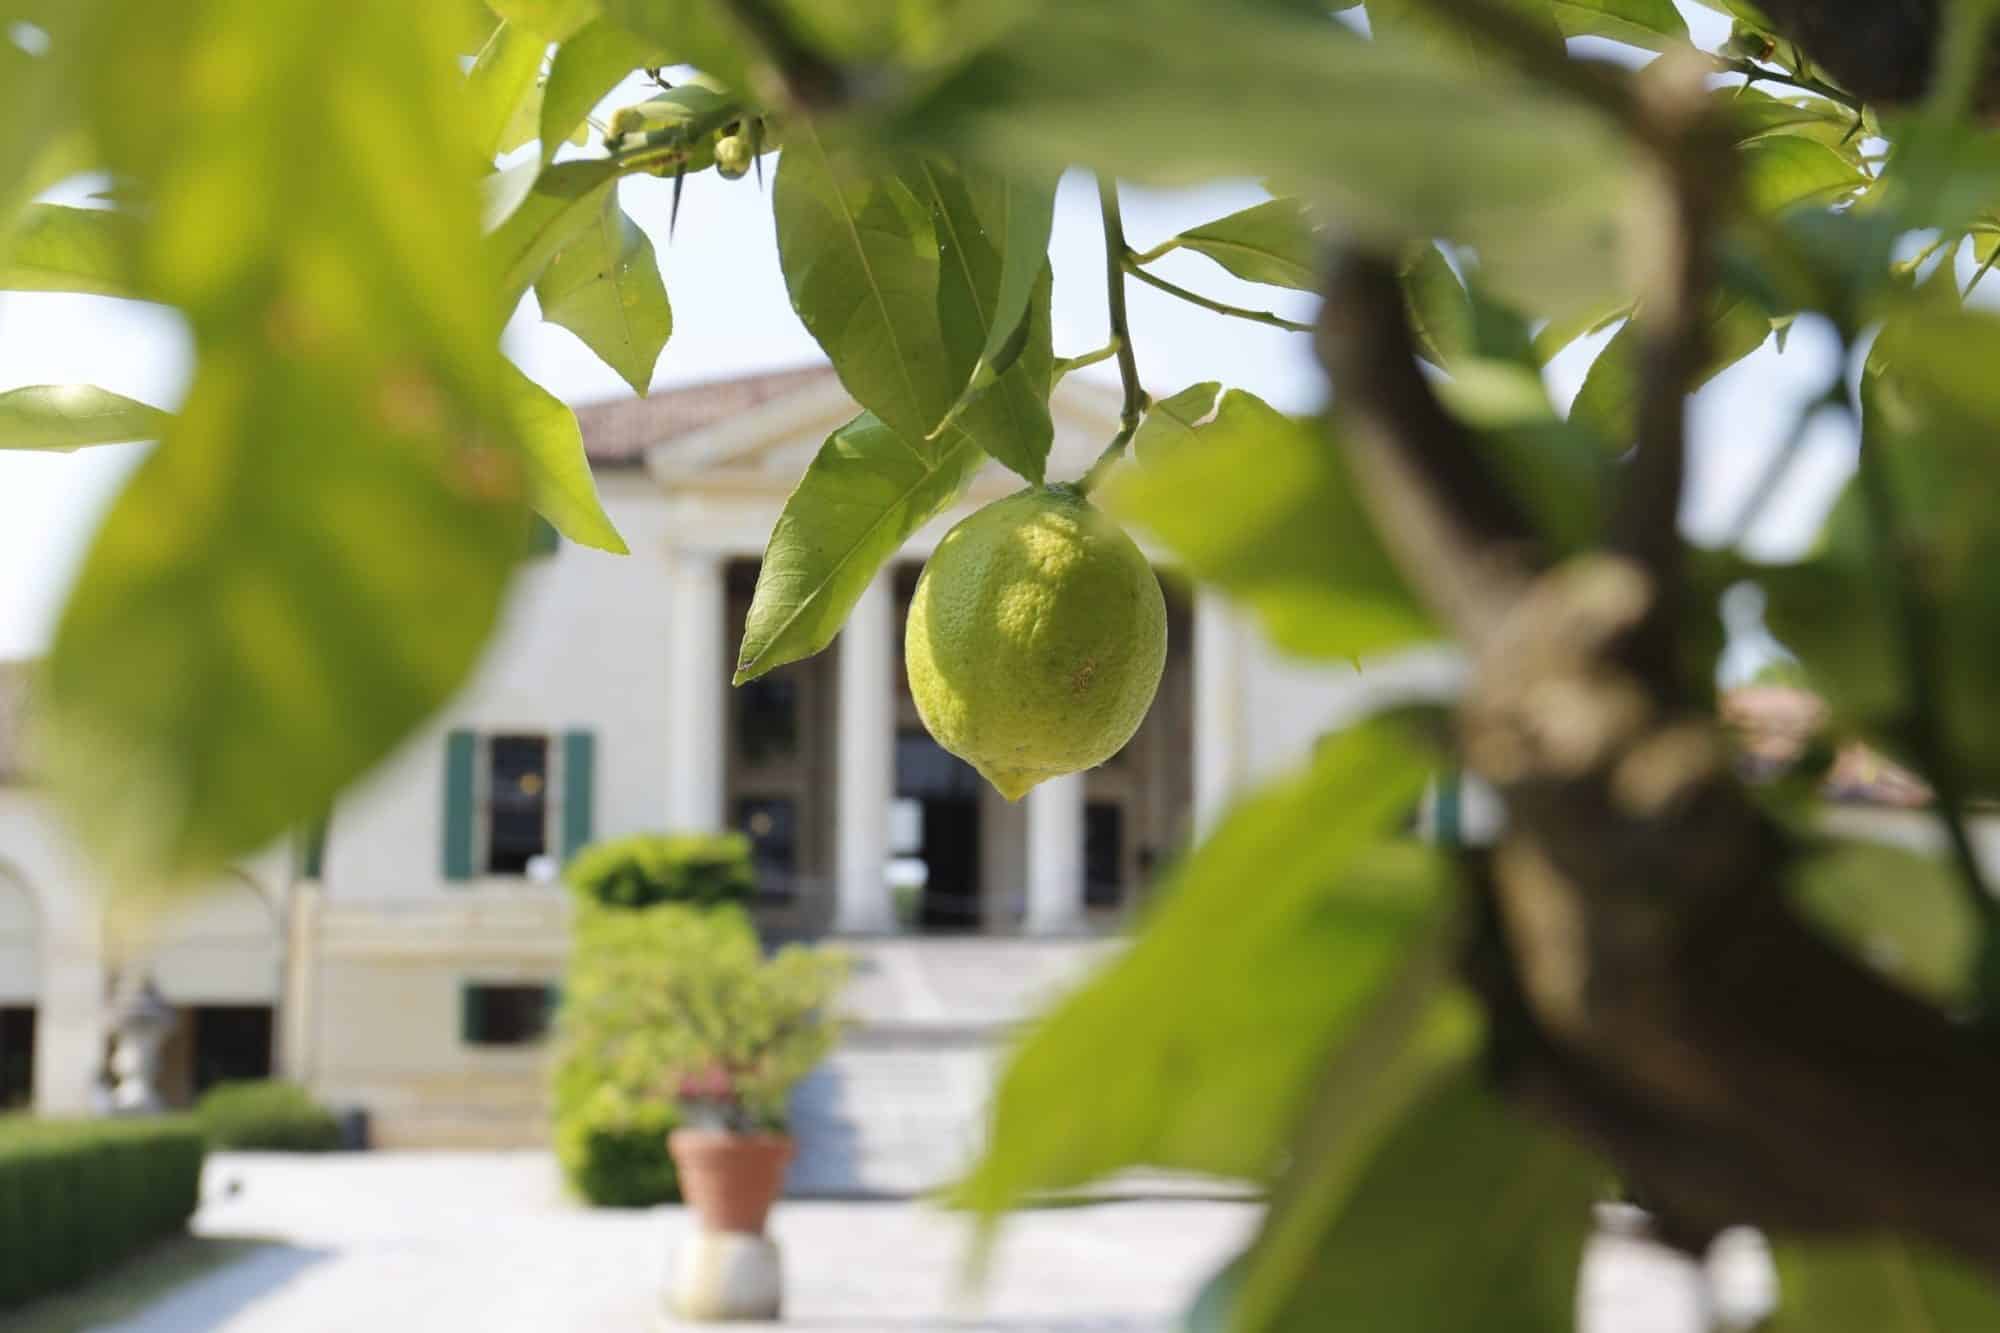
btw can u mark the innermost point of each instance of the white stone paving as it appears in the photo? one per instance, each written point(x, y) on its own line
point(486, 1242)
point(439, 1242)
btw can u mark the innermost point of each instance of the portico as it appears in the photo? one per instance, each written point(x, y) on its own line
point(824, 764)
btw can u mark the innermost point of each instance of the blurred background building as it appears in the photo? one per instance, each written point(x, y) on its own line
point(401, 958)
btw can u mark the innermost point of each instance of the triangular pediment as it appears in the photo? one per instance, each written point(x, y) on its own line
point(771, 443)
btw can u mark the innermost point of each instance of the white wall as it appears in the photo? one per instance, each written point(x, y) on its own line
point(583, 645)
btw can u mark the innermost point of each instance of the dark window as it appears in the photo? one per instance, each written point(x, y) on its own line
point(767, 719)
point(772, 825)
point(17, 1057)
point(516, 1015)
point(1103, 854)
point(517, 803)
point(231, 1042)
point(312, 849)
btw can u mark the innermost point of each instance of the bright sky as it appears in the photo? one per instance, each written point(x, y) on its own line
point(731, 317)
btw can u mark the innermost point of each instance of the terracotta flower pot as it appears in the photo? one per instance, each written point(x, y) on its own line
point(730, 1180)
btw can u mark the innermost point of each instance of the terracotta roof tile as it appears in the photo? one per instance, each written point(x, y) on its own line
point(618, 433)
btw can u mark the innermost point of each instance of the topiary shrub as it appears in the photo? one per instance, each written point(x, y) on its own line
point(78, 1196)
point(613, 1149)
point(612, 1112)
point(647, 869)
point(266, 1114)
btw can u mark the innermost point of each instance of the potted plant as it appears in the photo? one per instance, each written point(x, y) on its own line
point(736, 1033)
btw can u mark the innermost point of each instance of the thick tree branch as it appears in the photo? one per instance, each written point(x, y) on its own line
point(1880, 50)
point(1688, 171)
point(1458, 535)
point(1654, 993)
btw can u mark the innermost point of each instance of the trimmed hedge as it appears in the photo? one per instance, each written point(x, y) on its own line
point(698, 869)
point(267, 1114)
point(78, 1196)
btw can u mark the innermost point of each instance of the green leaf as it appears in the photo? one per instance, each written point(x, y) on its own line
point(1653, 24)
point(564, 201)
point(865, 492)
point(70, 416)
point(560, 484)
point(1900, 911)
point(985, 290)
point(1271, 242)
point(605, 287)
point(1608, 400)
point(860, 251)
point(1262, 506)
point(502, 77)
point(1881, 1285)
point(552, 20)
point(1440, 311)
point(55, 248)
point(993, 233)
point(310, 563)
point(1520, 174)
point(1928, 401)
point(37, 91)
point(1782, 171)
point(693, 32)
point(1189, 1067)
point(1468, 1216)
point(585, 70)
point(1172, 421)
point(1439, 33)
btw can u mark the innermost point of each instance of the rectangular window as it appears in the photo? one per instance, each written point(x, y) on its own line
point(772, 825)
point(17, 1057)
point(517, 802)
point(1103, 854)
point(505, 1015)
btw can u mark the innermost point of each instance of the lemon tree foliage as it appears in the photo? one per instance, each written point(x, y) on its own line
point(347, 202)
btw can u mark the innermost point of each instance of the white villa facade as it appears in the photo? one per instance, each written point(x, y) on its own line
point(403, 965)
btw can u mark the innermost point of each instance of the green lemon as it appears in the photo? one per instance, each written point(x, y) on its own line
point(1036, 639)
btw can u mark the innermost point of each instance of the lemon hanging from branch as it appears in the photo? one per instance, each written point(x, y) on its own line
point(1036, 638)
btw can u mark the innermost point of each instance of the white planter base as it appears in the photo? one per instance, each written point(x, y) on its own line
point(722, 1275)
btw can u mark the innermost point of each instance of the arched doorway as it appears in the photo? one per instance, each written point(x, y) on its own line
point(20, 989)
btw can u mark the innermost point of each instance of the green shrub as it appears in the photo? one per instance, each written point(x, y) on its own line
point(680, 1006)
point(613, 1150)
point(701, 869)
point(611, 1115)
point(267, 1114)
point(78, 1196)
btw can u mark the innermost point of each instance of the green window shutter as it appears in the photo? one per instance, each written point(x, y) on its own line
point(579, 786)
point(461, 748)
point(471, 1014)
point(312, 848)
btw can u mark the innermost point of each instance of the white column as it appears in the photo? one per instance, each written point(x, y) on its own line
point(70, 1019)
point(697, 681)
point(1218, 708)
point(1055, 857)
point(865, 766)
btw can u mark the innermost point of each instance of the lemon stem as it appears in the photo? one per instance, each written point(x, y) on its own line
point(1116, 254)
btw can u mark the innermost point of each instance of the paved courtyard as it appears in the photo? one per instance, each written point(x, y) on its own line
point(489, 1243)
point(486, 1242)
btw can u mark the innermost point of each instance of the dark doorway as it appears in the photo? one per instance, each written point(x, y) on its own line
point(17, 1057)
point(231, 1042)
point(947, 789)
